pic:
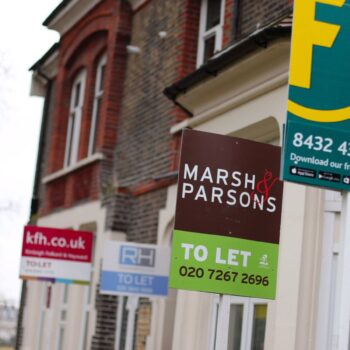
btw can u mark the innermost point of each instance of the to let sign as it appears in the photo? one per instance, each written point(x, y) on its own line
point(317, 135)
point(228, 213)
point(135, 269)
point(56, 255)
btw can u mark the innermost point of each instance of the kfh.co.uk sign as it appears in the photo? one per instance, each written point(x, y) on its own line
point(56, 255)
point(135, 269)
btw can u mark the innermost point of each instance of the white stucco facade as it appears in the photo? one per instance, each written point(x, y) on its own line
point(249, 100)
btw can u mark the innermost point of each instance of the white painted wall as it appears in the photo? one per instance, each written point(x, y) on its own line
point(240, 102)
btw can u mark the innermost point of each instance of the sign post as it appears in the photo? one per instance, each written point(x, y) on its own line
point(228, 215)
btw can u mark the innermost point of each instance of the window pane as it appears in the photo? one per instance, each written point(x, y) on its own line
point(209, 48)
point(102, 72)
point(63, 315)
point(70, 137)
point(235, 327)
point(97, 119)
point(259, 325)
point(213, 14)
point(77, 95)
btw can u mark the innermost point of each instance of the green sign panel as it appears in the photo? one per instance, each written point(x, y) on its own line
point(223, 265)
point(317, 134)
point(228, 215)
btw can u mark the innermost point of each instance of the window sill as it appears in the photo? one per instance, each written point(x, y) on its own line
point(80, 164)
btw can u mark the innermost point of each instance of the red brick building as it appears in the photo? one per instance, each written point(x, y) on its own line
point(107, 158)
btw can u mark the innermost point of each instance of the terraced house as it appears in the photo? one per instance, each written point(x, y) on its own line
point(121, 84)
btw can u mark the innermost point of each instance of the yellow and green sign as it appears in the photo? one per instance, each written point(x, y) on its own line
point(317, 134)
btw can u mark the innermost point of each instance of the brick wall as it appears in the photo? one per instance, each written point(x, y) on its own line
point(146, 152)
point(105, 29)
point(229, 21)
point(256, 14)
point(104, 337)
point(143, 324)
point(143, 148)
point(47, 123)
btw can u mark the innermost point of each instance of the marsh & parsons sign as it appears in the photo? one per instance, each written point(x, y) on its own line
point(317, 135)
point(56, 255)
point(135, 269)
point(228, 213)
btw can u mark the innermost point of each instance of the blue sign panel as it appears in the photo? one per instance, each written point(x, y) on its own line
point(135, 269)
point(133, 283)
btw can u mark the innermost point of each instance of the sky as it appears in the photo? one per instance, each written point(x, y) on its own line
point(23, 40)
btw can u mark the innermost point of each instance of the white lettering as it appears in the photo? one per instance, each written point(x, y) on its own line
point(245, 257)
point(191, 175)
point(186, 188)
point(207, 175)
point(218, 258)
point(249, 181)
point(200, 253)
point(217, 193)
point(232, 257)
point(271, 201)
point(231, 195)
point(236, 176)
point(222, 175)
point(201, 194)
point(187, 248)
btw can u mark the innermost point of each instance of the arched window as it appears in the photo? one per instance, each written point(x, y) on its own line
point(74, 121)
point(96, 109)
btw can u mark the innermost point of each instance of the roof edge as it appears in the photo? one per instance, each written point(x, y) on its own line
point(61, 6)
point(258, 39)
point(46, 55)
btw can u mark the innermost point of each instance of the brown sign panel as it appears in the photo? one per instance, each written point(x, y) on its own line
point(230, 187)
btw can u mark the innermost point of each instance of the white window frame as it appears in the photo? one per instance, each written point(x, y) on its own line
point(204, 34)
point(62, 321)
point(98, 94)
point(214, 321)
point(247, 320)
point(74, 120)
point(40, 337)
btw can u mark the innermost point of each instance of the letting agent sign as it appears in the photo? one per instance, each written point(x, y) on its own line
point(317, 137)
point(135, 269)
point(56, 255)
point(228, 213)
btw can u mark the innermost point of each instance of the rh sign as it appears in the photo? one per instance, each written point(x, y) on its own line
point(137, 256)
point(56, 255)
point(317, 136)
point(135, 269)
